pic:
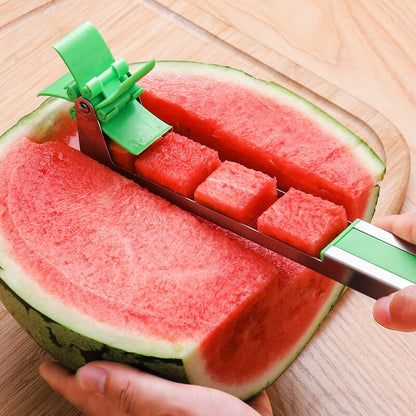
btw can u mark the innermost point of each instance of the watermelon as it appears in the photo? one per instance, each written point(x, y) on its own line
point(304, 221)
point(238, 192)
point(95, 267)
point(177, 163)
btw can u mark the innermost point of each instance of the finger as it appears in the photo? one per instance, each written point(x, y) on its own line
point(135, 392)
point(403, 225)
point(62, 380)
point(397, 311)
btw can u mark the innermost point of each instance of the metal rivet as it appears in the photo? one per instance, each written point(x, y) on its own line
point(84, 107)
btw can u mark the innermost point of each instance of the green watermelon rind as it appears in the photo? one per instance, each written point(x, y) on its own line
point(73, 348)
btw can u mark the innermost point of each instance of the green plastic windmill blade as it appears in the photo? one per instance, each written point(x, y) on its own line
point(85, 53)
point(106, 83)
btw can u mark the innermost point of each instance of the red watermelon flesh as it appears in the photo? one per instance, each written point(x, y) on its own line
point(110, 250)
point(238, 192)
point(74, 193)
point(269, 319)
point(177, 163)
point(304, 221)
point(121, 156)
point(284, 326)
point(270, 136)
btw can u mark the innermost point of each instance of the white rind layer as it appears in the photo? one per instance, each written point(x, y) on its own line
point(17, 280)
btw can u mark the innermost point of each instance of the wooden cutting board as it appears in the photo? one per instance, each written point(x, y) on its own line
point(347, 368)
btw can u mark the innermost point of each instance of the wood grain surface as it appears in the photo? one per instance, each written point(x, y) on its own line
point(351, 58)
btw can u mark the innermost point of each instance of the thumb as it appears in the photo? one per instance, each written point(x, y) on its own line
point(397, 311)
point(137, 393)
point(129, 390)
point(402, 225)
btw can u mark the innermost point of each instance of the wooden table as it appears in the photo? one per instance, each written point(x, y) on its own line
point(354, 58)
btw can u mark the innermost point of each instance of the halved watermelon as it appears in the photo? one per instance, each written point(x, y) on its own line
point(95, 267)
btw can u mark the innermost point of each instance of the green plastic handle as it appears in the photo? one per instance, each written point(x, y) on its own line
point(374, 249)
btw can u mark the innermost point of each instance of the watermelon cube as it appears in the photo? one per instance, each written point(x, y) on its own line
point(304, 221)
point(178, 163)
point(238, 192)
point(121, 156)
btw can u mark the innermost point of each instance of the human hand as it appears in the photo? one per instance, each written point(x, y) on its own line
point(398, 310)
point(110, 389)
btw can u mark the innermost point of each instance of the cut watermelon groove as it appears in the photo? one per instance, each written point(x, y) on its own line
point(251, 146)
point(267, 235)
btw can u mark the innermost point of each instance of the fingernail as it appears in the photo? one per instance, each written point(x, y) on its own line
point(382, 310)
point(44, 371)
point(91, 378)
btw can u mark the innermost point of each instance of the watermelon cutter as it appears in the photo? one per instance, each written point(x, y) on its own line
point(107, 105)
point(98, 83)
